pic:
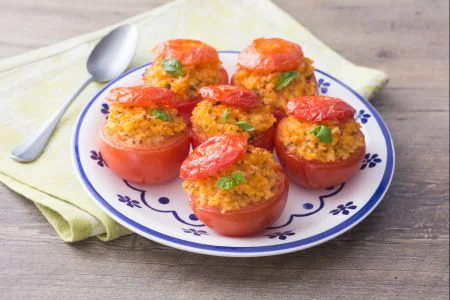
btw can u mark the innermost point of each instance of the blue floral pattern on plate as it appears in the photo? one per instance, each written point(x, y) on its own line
point(323, 86)
point(192, 217)
point(128, 201)
point(97, 156)
point(195, 231)
point(165, 200)
point(280, 235)
point(105, 109)
point(344, 208)
point(308, 206)
point(363, 116)
point(371, 161)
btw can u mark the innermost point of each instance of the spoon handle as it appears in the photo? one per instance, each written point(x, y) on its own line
point(33, 146)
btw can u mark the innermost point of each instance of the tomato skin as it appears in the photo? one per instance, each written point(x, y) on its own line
point(271, 55)
point(316, 174)
point(188, 52)
point(232, 81)
point(224, 76)
point(265, 140)
point(185, 108)
point(279, 114)
point(213, 155)
point(197, 136)
point(140, 95)
point(319, 108)
point(246, 221)
point(232, 95)
point(151, 166)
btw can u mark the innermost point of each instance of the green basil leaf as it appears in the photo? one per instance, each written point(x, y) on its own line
point(238, 177)
point(246, 126)
point(158, 113)
point(229, 182)
point(225, 115)
point(284, 79)
point(225, 183)
point(315, 130)
point(323, 133)
point(173, 67)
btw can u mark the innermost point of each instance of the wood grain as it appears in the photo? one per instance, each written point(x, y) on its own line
point(399, 252)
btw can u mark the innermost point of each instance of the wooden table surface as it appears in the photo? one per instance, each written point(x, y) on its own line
point(400, 251)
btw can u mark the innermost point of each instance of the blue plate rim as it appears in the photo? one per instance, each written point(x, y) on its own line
point(240, 251)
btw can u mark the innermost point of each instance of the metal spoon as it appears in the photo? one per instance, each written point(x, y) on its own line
point(110, 57)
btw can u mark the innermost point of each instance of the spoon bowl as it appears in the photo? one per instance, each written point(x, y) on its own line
point(113, 54)
point(109, 58)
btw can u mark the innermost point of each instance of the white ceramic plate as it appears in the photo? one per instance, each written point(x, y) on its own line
point(162, 213)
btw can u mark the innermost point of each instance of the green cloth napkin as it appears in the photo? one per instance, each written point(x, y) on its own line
point(34, 85)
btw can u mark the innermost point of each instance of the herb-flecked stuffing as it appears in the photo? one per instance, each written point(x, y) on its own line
point(187, 85)
point(139, 126)
point(299, 139)
point(214, 118)
point(260, 183)
point(265, 84)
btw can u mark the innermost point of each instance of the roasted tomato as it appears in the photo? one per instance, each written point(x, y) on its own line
point(185, 108)
point(145, 165)
point(232, 109)
point(184, 66)
point(231, 95)
point(228, 207)
point(277, 71)
point(271, 55)
point(320, 108)
point(188, 52)
point(140, 95)
point(246, 221)
point(342, 140)
point(213, 155)
point(129, 156)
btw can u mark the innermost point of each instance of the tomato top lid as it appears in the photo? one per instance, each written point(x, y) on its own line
point(187, 52)
point(140, 95)
point(319, 108)
point(271, 55)
point(213, 155)
point(232, 95)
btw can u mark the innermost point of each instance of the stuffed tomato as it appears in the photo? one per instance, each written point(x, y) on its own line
point(232, 109)
point(143, 139)
point(234, 188)
point(184, 66)
point(320, 144)
point(277, 70)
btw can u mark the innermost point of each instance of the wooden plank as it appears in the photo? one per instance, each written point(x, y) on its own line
point(399, 252)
